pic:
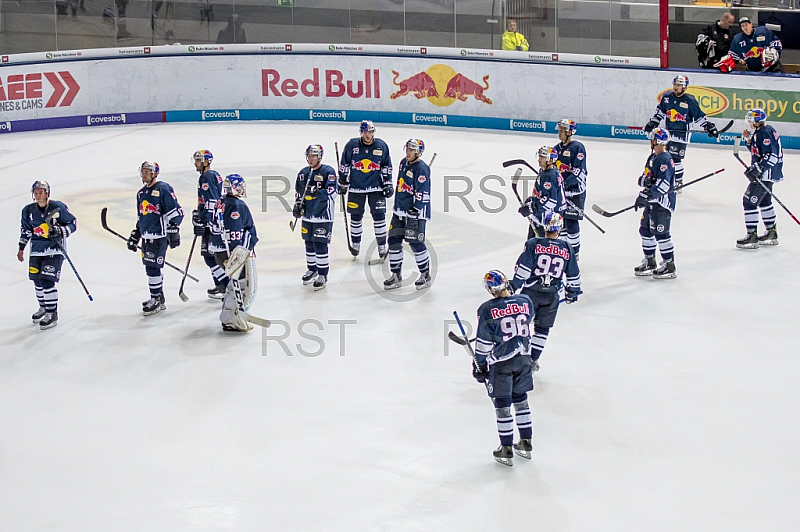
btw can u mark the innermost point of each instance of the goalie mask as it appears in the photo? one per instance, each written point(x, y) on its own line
point(234, 185)
point(553, 222)
point(495, 282)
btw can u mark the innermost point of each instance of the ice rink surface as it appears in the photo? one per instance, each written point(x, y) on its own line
point(660, 406)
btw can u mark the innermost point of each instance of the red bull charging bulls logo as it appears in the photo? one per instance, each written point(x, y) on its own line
point(148, 208)
point(675, 116)
point(442, 86)
point(366, 166)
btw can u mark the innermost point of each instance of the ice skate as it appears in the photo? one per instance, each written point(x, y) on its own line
point(770, 238)
point(218, 292)
point(424, 281)
point(320, 283)
point(49, 320)
point(395, 281)
point(534, 366)
point(309, 277)
point(504, 455)
point(647, 267)
point(154, 305)
point(666, 270)
point(748, 242)
point(523, 448)
point(38, 315)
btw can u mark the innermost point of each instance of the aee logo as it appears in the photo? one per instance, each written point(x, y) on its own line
point(29, 87)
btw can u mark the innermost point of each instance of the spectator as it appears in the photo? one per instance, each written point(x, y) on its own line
point(513, 40)
point(757, 48)
point(232, 33)
point(714, 41)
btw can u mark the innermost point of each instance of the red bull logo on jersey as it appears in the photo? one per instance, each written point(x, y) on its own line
point(441, 85)
point(752, 53)
point(42, 230)
point(552, 250)
point(511, 309)
point(366, 166)
point(402, 186)
point(149, 208)
point(674, 116)
point(563, 167)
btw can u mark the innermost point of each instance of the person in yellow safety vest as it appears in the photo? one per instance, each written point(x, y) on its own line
point(513, 40)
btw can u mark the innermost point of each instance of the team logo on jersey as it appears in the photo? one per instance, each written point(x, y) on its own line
point(660, 228)
point(377, 152)
point(580, 156)
point(442, 86)
point(766, 142)
point(663, 167)
point(402, 186)
point(366, 166)
point(674, 116)
point(565, 153)
point(156, 194)
point(31, 269)
point(320, 231)
point(49, 268)
point(235, 215)
point(753, 199)
point(511, 309)
point(421, 179)
point(204, 186)
point(149, 208)
point(547, 185)
point(160, 260)
point(42, 230)
point(561, 167)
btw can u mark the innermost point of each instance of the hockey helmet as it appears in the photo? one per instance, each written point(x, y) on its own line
point(755, 116)
point(553, 222)
point(203, 155)
point(681, 80)
point(152, 166)
point(566, 123)
point(548, 153)
point(234, 184)
point(315, 149)
point(416, 145)
point(366, 125)
point(660, 135)
point(44, 185)
point(495, 282)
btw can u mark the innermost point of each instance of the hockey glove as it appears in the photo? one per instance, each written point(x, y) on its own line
point(571, 295)
point(299, 209)
point(199, 224)
point(388, 189)
point(344, 185)
point(651, 125)
point(133, 240)
point(173, 236)
point(711, 129)
point(525, 209)
point(753, 172)
point(58, 231)
point(480, 373)
point(641, 200)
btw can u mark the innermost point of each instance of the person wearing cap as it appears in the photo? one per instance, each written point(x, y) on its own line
point(512, 39)
point(46, 224)
point(714, 41)
point(757, 48)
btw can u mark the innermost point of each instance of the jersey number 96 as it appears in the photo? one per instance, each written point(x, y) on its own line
point(514, 326)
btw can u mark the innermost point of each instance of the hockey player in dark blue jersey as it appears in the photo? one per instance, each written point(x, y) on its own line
point(412, 211)
point(757, 48)
point(315, 201)
point(46, 224)
point(503, 362)
point(209, 191)
point(548, 192)
point(657, 199)
point(571, 163)
point(540, 274)
point(766, 166)
point(680, 111)
point(366, 172)
point(235, 228)
point(159, 217)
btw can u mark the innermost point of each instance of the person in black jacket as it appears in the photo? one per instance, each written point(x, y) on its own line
point(714, 41)
point(233, 33)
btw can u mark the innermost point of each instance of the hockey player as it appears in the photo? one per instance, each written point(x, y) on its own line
point(548, 192)
point(680, 111)
point(315, 202)
point(209, 191)
point(657, 199)
point(766, 169)
point(757, 48)
point(46, 224)
point(412, 211)
point(366, 172)
point(235, 229)
point(502, 356)
point(540, 273)
point(159, 218)
point(571, 164)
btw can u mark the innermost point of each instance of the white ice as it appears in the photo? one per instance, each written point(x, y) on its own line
point(660, 406)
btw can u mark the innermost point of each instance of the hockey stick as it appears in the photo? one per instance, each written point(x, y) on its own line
point(381, 260)
point(104, 223)
point(719, 131)
point(353, 250)
point(49, 221)
point(181, 293)
point(464, 340)
point(459, 340)
point(608, 214)
point(736, 144)
point(580, 211)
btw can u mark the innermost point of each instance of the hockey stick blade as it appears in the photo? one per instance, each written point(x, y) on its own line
point(459, 339)
point(181, 293)
point(726, 128)
point(104, 223)
point(255, 320)
point(523, 162)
